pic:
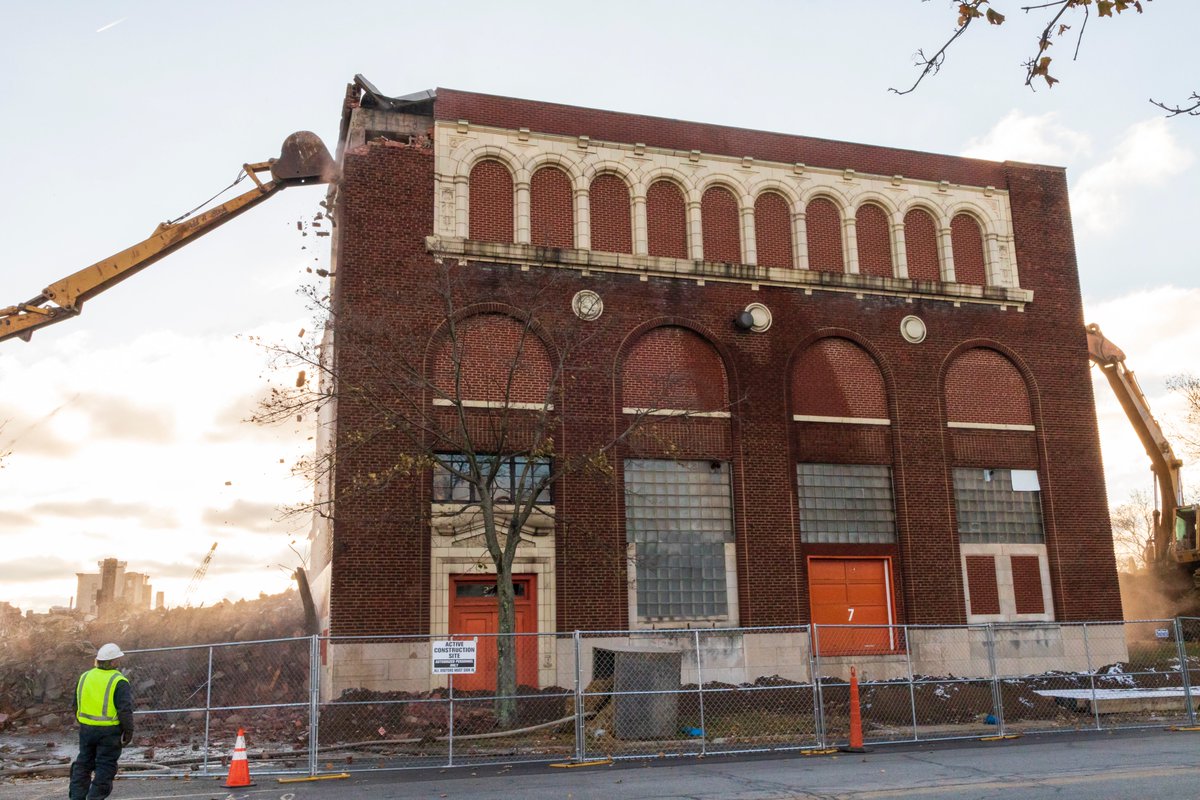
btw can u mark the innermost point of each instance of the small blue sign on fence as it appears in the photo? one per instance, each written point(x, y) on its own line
point(1162, 633)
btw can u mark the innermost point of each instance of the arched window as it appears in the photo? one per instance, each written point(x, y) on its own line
point(874, 238)
point(551, 209)
point(773, 231)
point(721, 226)
point(493, 358)
point(967, 242)
point(491, 210)
point(666, 220)
point(612, 223)
point(836, 378)
point(984, 387)
point(823, 222)
point(921, 246)
point(674, 368)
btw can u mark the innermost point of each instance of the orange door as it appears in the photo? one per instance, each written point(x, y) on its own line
point(473, 612)
point(851, 591)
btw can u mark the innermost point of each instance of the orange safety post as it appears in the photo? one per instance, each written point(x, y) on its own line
point(239, 767)
point(856, 737)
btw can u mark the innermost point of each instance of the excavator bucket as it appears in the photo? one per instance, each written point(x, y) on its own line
point(303, 159)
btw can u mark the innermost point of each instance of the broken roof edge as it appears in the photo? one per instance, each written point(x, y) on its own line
point(373, 98)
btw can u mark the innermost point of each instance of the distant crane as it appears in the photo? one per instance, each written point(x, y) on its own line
point(198, 576)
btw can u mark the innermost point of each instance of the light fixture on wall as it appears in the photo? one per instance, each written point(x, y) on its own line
point(755, 317)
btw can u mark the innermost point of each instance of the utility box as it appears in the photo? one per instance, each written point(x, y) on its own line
point(644, 716)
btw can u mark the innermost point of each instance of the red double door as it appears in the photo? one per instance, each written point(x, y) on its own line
point(474, 612)
point(852, 591)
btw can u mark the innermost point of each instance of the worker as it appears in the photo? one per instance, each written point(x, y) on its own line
point(104, 708)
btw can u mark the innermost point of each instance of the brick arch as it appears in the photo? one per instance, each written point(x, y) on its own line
point(983, 385)
point(551, 208)
point(773, 230)
point(502, 359)
point(666, 219)
point(612, 219)
point(720, 222)
point(873, 231)
point(490, 216)
point(966, 240)
point(823, 225)
point(673, 367)
point(921, 245)
point(836, 377)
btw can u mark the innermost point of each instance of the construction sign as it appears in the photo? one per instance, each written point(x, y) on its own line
point(452, 657)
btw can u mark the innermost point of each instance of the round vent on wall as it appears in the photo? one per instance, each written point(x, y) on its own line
point(760, 317)
point(912, 329)
point(587, 305)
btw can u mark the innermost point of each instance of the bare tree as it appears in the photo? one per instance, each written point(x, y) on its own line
point(1188, 386)
point(447, 400)
point(1064, 20)
point(1133, 530)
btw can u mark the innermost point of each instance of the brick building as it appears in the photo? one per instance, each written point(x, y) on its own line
point(869, 367)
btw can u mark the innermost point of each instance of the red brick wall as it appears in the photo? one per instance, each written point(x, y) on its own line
point(921, 246)
point(720, 223)
point(835, 377)
point(984, 386)
point(874, 234)
point(1027, 585)
point(612, 223)
point(551, 209)
point(981, 577)
point(501, 360)
point(773, 231)
point(967, 243)
point(673, 368)
point(666, 220)
point(491, 207)
point(823, 222)
point(381, 552)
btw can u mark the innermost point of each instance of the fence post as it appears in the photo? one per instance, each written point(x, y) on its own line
point(814, 668)
point(1184, 671)
point(314, 702)
point(1087, 652)
point(997, 696)
point(912, 689)
point(580, 730)
point(450, 735)
point(700, 689)
point(207, 707)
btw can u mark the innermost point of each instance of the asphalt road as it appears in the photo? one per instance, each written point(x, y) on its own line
point(1094, 766)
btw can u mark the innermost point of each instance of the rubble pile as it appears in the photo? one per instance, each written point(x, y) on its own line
point(41, 656)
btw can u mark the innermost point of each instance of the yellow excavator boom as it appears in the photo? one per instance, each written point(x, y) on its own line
point(303, 159)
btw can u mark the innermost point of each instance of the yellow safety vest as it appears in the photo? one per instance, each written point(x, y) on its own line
point(95, 697)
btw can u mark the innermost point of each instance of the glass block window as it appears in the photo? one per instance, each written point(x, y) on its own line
point(846, 503)
point(516, 476)
point(991, 512)
point(679, 516)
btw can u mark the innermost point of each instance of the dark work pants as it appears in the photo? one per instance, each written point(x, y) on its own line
point(99, 749)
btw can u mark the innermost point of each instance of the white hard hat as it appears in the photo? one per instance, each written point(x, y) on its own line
point(108, 652)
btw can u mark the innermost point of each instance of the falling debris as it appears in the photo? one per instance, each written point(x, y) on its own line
point(301, 333)
point(229, 483)
point(300, 380)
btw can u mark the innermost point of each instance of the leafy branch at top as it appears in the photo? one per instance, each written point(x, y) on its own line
point(1058, 14)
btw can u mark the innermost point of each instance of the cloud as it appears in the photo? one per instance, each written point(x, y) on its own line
point(1147, 156)
point(246, 515)
point(16, 519)
point(37, 568)
point(1037, 139)
point(147, 515)
point(115, 417)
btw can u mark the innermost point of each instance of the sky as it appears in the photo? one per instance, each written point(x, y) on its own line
point(126, 425)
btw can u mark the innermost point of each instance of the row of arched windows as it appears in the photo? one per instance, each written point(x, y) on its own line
point(772, 232)
point(673, 367)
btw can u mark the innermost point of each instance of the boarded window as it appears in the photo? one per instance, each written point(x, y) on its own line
point(666, 221)
point(491, 207)
point(873, 233)
point(773, 231)
point(981, 581)
point(612, 224)
point(1027, 584)
point(823, 223)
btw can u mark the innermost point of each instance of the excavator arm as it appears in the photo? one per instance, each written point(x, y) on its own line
point(303, 159)
point(1163, 461)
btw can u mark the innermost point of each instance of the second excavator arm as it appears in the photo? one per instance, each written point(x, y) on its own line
point(303, 159)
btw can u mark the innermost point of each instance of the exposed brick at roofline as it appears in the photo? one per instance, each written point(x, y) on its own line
point(513, 113)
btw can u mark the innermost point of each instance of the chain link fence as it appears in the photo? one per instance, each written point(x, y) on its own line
point(319, 704)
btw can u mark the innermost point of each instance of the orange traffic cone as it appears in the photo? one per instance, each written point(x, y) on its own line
point(239, 767)
point(856, 739)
